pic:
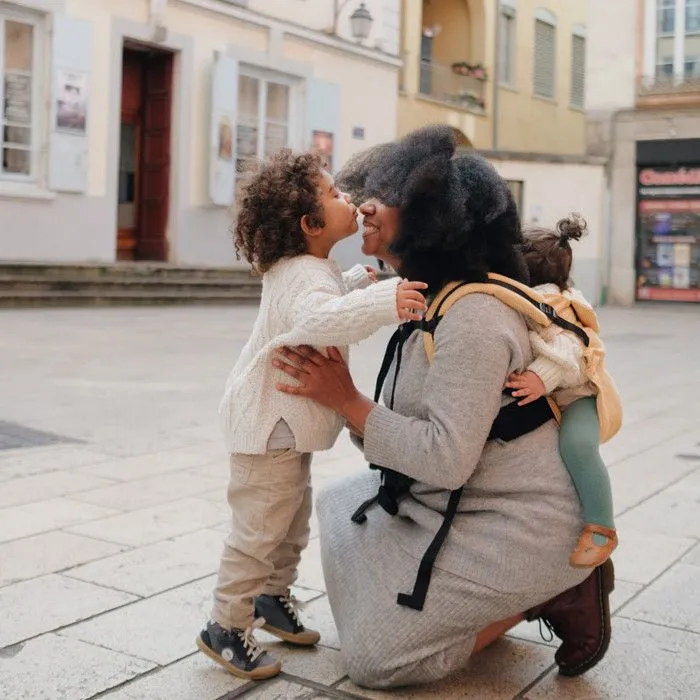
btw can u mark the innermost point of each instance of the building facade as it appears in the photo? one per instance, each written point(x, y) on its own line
point(643, 94)
point(508, 74)
point(125, 122)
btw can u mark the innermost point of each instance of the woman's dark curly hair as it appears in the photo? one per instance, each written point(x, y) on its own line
point(457, 220)
point(281, 191)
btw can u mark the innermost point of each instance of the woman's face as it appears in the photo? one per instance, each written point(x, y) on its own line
point(380, 224)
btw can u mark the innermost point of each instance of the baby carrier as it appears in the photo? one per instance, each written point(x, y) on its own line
point(511, 422)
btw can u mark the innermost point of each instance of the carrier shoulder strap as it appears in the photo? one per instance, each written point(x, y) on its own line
point(512, 293)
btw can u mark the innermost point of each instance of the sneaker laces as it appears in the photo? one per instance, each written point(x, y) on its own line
point(250, 644)
point(293, 606)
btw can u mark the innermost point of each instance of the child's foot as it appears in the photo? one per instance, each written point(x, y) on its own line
point(237, 651)
point(282, 620)
point(595, 545)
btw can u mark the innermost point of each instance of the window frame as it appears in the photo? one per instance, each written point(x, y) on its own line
point(508, 24)
point(37, 77)
point(547, 19)
point(264, 77)
point(676, 68)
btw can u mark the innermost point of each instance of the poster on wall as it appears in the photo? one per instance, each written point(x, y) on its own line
point(71, 101)
point(225, 148)
point(18, 98)
point(668, 234)
point(322, 142)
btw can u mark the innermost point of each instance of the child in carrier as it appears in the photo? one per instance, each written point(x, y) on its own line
point(573, 375)
point(290, 217)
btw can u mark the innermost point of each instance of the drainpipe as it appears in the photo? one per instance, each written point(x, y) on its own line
point(496, 52)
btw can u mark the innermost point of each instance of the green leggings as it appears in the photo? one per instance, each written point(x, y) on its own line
point(578, 443)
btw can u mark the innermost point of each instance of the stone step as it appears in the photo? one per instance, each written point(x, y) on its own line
point(122, 297)
point(36, 284)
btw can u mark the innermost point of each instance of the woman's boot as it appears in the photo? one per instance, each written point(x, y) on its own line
point(580, 617)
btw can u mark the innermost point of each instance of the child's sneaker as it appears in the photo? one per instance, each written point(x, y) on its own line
point(281, 619)
point(237, 651)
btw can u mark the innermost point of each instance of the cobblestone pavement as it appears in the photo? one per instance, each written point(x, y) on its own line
point(112, 513)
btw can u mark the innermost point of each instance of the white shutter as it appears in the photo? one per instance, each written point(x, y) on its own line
point(323, 115)
point(222, 142)
point(545, 51)
point(68, 144)
point(578, 70)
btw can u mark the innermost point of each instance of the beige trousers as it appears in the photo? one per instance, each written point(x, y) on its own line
point(270, 499)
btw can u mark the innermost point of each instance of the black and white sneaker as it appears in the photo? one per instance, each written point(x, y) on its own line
point(282, 620)
point(237, 651)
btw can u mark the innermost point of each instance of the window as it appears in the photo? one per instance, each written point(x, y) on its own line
point(665, 30)
point(506, 46)
point(545, 46)
point(578, 71)
point(264, 111)
point(691, 49)
point(18, 97)
point(674, 51)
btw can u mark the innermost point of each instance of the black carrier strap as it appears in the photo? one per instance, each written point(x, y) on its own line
point(511, 422)
point(546, 309)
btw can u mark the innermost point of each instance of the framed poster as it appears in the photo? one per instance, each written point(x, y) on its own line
point(71, 101)
point(322, 142)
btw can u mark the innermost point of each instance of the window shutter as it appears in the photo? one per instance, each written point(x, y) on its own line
point(578, 71)
point(222, 142)
point(68, 145)
point(545, 46)
point(323, 114)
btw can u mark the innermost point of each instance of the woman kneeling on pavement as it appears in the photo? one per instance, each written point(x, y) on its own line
point(421, 575)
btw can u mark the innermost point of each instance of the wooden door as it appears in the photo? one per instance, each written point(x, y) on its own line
point(130, 154)
point(154, 179)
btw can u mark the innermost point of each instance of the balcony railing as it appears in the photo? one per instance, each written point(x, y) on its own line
point(659, 86)
point(460, 85)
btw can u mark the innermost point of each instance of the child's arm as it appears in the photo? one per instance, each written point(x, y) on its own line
point(558, 364)
point(358, 277)
point(323, 317)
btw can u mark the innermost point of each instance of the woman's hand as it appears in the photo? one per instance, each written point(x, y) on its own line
point(326, 380)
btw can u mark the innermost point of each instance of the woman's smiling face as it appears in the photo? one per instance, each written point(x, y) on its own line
point(380, 223)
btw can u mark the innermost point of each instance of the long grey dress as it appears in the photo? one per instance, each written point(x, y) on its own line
point(518, 518)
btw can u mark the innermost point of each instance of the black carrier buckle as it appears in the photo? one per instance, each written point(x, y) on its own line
point(547, 310)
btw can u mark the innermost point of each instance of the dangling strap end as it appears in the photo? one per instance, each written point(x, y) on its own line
point(359, 516)
point(410, 601)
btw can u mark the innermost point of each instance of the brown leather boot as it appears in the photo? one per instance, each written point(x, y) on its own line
point(580, 617)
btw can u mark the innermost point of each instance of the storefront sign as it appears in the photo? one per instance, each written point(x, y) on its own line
point(668, 234)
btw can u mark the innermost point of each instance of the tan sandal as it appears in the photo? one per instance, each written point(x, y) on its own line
point(588, 554)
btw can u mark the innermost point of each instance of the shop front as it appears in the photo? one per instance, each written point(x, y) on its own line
point(668, 221)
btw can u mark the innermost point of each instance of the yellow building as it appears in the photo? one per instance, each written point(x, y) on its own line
point(508, 74)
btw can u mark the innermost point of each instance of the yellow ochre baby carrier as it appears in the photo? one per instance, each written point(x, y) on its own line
point(512, 421)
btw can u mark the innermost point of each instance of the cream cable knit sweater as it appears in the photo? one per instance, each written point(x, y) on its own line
point(305, 301)
point(558, 355)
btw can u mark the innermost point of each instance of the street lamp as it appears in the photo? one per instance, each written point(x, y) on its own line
point(360, 20)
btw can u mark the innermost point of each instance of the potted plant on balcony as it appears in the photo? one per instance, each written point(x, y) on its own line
point(478, 71)
point(460, 68)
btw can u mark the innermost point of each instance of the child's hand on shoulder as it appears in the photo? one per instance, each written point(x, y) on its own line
point(528, 387)
point(410, 303)
point(372, 272)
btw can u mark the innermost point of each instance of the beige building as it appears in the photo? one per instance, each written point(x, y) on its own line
point(643, 94)
point(508, 74)
point(124, 121)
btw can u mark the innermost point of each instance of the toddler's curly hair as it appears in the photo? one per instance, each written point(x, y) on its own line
point(281, 191)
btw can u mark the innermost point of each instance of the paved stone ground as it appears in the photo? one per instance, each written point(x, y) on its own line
point(112, 512)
